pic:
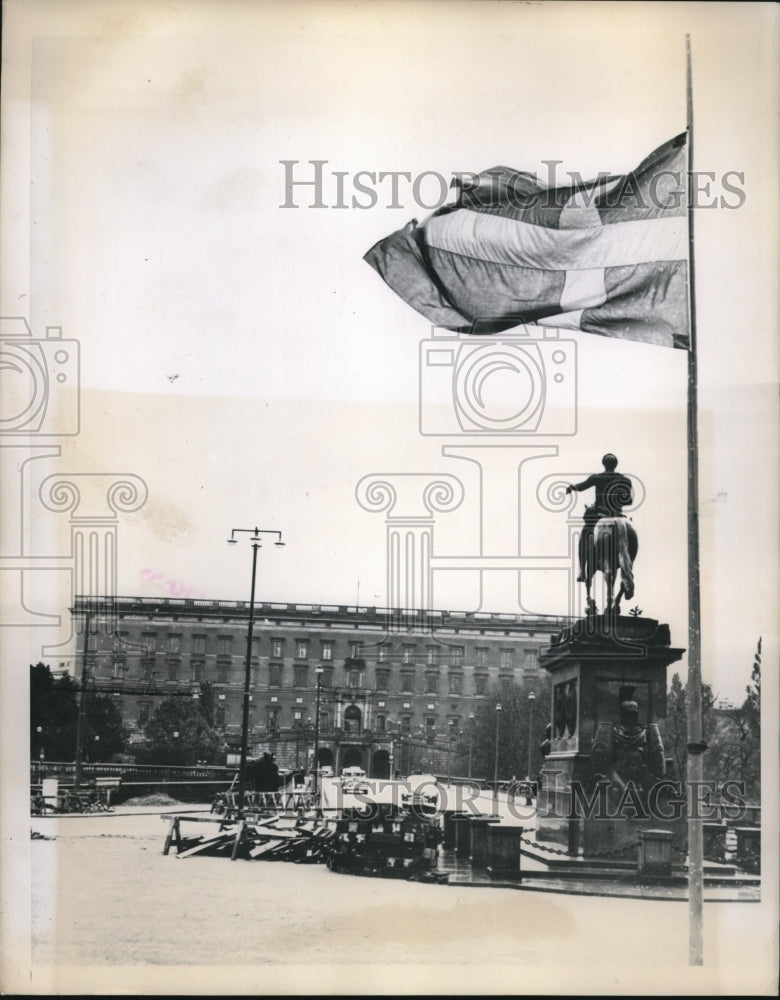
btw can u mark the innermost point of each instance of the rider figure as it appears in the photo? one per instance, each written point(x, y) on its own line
point(613, 493)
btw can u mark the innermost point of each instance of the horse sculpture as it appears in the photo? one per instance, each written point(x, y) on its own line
point(613, 547)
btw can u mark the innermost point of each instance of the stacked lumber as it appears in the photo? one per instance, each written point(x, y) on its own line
point(277, 838)
point(390, 843)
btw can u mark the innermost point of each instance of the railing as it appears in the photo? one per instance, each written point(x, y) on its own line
point(373, 614)
point(131, 772)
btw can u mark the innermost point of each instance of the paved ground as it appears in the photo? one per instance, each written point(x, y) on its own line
point(111, 914)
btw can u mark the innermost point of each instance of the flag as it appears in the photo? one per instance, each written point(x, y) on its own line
point(607, 256)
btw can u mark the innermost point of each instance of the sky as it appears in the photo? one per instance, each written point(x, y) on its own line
point(242, 359)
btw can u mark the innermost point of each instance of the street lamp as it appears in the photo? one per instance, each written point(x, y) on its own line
point(256, 541)
point(39, 731)
point(315, 786)
point(471, 740)
point(449, 751)
point(495, 766)
point(531, 700)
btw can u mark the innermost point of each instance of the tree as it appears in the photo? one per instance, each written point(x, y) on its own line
point(104, 732)
point(513, 728)
point(181, 731)
point(53, 711)
point(733, 735)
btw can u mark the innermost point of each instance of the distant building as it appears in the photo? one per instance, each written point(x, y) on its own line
point(396, 688)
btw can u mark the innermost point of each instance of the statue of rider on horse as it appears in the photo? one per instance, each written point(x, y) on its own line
point(608, 541)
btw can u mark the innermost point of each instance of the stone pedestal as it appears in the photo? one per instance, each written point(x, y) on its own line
point(605, 778)
point(655, 853)
point(478, 827)
point(503, 851)
point(462, 835)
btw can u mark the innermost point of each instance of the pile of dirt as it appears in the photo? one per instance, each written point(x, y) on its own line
point(156, 799)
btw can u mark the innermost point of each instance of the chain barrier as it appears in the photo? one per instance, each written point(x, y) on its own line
point(593, 854)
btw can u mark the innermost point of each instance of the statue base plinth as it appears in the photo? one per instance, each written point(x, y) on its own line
point(605, 779)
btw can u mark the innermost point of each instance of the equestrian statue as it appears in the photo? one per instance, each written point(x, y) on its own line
point(608, 542)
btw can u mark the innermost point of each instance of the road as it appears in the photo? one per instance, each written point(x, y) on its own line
point(110, 914)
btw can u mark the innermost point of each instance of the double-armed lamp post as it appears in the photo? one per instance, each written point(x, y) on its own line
point(256, 542)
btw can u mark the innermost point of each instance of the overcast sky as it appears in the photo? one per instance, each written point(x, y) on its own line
point(243, 360)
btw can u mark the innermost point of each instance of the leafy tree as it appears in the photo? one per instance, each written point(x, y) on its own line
point(733, 735)
point(53, 710)
point(181, 731)
point(513, 728)
point(104, 732)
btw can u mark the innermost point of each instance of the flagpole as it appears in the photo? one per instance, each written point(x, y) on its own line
point(696, 745)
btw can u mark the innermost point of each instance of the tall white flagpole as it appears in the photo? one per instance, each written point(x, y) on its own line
point(696, 745)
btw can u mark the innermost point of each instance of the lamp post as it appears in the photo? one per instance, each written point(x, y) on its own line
point(315, 785)
point(256, 541)
point(449, 751)
point(471, 740)
point(495, 765)
point(82, 704)
point(531, 700)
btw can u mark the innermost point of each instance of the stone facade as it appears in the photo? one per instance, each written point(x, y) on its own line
point(397, 688)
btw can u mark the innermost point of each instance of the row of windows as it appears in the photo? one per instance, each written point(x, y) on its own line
point(433, 683)
point(431, 726)
point(278, 647)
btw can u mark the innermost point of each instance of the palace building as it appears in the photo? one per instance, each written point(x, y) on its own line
point(396, 688)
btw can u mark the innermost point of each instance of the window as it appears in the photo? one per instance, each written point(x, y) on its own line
point(382, 679)
point(505, 686)
point(406, 723)
point(150, 641)
point(354, 678)
point(456, 656)
point(431, 683)
point(223, 646)
point(326, 677)
point(301, 676)
point(506, 659)
point(531, 659)
point(381, 723)
point(482, 655)
point(273, 720)
point(148, 668)
point(356, 650)
point(220, 716)
point(199, 644)
point(276, 647)
point(275, 675)
point(324, 718)
point(173, 669)
point(480, 684)
point(174, 643)
point(197, 670)
point(430, 726)
point(383, 653)
point(433, 655)
point(456, 684)
point(408, 656)
point(222, 673)
point(297, 717)
point(143, 712)
point(302, 649)
point(119, 665)
point(327, 650)
point(92, 643)
point(407, 680)
point(251, 717)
